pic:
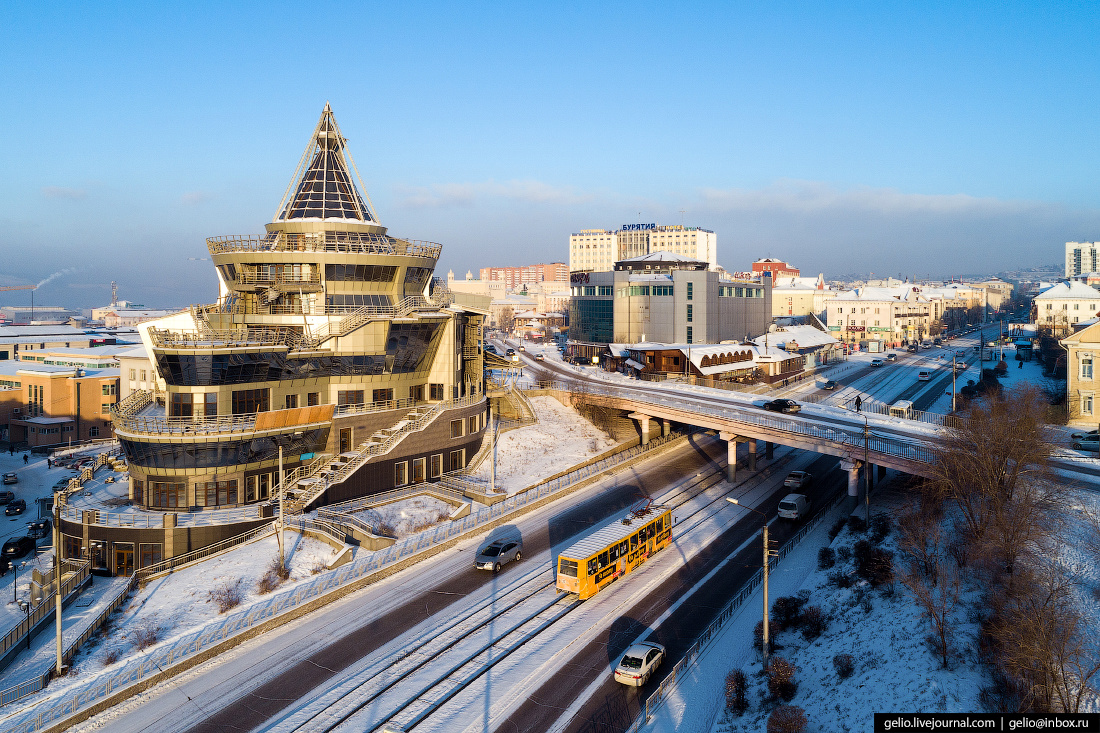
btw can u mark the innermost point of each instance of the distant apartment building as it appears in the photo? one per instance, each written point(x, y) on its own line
point(39, 314)
point(515, 277)
point(800, 296)
point(778, 268)
point(1082, 257)
point(1063, 306)
point(895, 315)
point(597, 250)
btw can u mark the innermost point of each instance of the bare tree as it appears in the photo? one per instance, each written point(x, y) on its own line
point(995, 457)
point(930, 575)
point(1043, 643)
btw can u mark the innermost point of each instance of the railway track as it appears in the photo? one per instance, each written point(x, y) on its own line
point(402, 689)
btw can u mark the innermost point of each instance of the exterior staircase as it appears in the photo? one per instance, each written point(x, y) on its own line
point(306, 484)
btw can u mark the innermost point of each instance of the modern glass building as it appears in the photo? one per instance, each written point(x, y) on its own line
point(330, 340)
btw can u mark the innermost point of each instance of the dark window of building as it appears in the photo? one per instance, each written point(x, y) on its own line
point(418, 471)
point(150, 554)
point(436, 391)
point(345, 302)
point(458, 459)
point(291, 401)
point(247, 401)
point(416, 393)
point(181, 405)
point(401, 473)
point(456, 429)
point(361, 273)
point(689, 314)
point(471, 428)
point(689, 335)
point(349, 397)
point(168, 496)
point(217, 493)
point(313, 398)
point(93, 432)
point(690, 289)
point(382, 395)
point(437, 465)
point(211, 404)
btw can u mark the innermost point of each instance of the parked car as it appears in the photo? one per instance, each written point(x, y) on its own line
point(794, 507)
point(638, 663)
point(498, 553)
point(39, 528)
point(61, 485)
point(1087, 443)
point(6, 496)
point(924, 376)
point(830, 385)
point(798, 479)
point(15, 507)
point(891, 356)
point(877, 362)
point(17, 548)
point(11, 478)
point(782, 405)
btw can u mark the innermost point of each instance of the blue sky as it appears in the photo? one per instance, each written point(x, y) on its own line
point(909, 138)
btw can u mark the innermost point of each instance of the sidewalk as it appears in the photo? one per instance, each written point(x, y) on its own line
point(76, 617)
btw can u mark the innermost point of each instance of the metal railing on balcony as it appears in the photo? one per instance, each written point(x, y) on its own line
point(260, 278)
point(349, 242)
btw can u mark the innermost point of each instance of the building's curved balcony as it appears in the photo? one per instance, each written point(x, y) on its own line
point(138, 415)
point(343, 242)
point(308, 283)
point(289, 337)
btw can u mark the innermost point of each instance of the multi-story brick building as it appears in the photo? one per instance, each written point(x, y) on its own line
point(515, 277)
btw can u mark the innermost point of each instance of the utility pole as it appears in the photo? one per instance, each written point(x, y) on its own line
point(282, 518)
point(954, 390)
point(866, 471)
point(57, 577)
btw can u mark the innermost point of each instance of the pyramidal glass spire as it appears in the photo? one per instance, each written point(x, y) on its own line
point(322, 186)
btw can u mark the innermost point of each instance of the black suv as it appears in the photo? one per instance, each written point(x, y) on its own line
point(17, 548)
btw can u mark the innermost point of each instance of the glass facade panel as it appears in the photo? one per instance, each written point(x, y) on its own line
point(326, 192)
point(181, 456)
point(591, 320)
point(412, 345)
point(361, 273)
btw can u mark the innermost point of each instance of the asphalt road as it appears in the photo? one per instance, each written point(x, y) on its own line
point(265, 701)
point(614, 706)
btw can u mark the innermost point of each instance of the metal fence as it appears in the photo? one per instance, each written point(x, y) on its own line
point(18, 633)
point(159, 658)
point(672, 680)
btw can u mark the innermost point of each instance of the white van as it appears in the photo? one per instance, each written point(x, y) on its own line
point(794, 506)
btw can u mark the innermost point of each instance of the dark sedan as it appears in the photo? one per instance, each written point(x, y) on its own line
point(16, 507)
point(782, 405)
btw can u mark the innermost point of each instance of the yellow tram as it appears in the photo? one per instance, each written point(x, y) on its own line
point(596, 561)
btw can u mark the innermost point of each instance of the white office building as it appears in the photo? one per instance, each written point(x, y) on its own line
point(597, 250)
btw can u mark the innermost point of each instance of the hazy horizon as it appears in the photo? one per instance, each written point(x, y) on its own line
point(865, 138)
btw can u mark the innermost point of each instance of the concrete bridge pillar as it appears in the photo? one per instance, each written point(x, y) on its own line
point(852, 467)
point(731, 455)
point(643, 425)
point(752, 454)
point(666, 428)
point(769, 449)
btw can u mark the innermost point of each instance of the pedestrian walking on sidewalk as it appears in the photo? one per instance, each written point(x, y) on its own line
point(859, 403)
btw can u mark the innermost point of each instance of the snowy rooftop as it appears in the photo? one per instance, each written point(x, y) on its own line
point(800, 337)
point(1070, 291)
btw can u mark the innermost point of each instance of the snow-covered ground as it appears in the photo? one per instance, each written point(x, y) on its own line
point(895, 671)
point(560, 439)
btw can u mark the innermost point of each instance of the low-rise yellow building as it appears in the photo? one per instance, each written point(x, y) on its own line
point(1082, 378)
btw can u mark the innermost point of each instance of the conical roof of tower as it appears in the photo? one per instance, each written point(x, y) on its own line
point(323, 186)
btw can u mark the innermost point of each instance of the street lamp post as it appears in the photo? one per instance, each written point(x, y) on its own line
point(26, 608)
point(282, 519)
point(768, 554)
